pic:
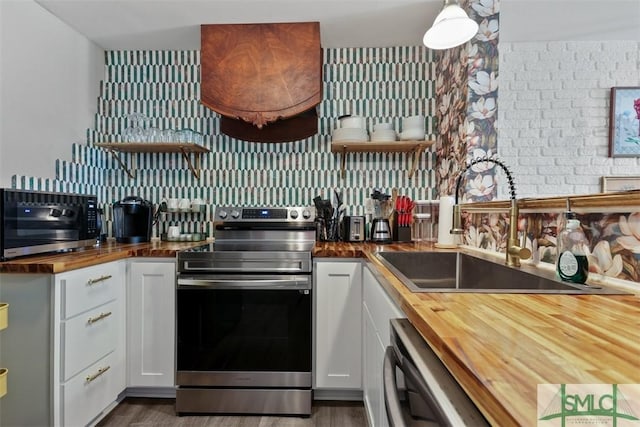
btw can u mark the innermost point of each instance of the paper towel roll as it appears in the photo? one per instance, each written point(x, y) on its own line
point(445, 222)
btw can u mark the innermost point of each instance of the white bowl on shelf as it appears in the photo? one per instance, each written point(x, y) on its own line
point(350, 134)
point(384, 135)
point(413, 122)
point(382, 126)
point(412, 135)
point(352, 122)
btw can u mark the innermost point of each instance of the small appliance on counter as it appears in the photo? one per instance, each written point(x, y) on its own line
point(132, 220)
point(33, 222)
point(380, 230)
point(353, 229)
point(380, 225)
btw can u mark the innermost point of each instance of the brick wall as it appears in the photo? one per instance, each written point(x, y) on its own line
point(553, 121)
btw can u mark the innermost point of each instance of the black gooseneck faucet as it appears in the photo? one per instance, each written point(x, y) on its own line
point(514, 253)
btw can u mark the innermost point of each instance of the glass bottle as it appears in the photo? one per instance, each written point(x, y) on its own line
point(571, 262)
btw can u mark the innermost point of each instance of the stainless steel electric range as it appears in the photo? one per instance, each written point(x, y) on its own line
point(244, 315)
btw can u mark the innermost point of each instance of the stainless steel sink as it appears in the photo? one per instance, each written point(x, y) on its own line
point(462, 272)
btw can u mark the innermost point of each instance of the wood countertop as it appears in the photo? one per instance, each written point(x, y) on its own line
point(501, 346)
point(498, 346)
point(54, 263)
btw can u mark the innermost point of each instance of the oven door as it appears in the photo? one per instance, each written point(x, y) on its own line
point(244, 330)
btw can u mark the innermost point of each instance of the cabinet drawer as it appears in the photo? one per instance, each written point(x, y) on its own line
point(89, 287)
point(89, 337)
point(89, 392)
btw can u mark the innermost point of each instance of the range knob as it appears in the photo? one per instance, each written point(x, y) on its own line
point(293, 214)
point(306, 214)
point(222, 214)
point(235, 214)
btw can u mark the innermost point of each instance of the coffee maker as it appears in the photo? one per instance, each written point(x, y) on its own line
point(132, 218)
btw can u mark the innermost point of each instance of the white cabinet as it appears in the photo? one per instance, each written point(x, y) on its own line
point(89, 310)
point(338, 324)
point(378, 308)
point(151, 324)
point(66, 345)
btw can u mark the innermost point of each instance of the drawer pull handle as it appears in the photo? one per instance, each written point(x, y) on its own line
point(100, 316)
point(101, 371)
point(99, 279)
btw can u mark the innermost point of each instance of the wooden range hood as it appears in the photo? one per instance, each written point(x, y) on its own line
point(264, 79)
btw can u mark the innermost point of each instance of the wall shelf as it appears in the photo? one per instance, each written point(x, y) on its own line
point(415, 147)
point(187, 150)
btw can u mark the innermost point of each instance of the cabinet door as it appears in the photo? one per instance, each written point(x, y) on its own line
point(371, 370)
point(338, 320)
point(151, 324)
point(378, 308)
point(381, 307)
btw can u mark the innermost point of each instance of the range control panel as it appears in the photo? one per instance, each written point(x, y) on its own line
point(267, 214)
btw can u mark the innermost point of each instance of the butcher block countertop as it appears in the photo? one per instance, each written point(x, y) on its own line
point(498, 346)
point(501, 346)
point(54, 263)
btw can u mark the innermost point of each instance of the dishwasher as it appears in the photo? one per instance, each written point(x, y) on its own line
point(430, 397)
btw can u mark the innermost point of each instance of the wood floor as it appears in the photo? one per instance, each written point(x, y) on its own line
point(143, 412)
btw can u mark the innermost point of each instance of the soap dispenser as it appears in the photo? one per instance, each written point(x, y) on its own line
point(571, 261)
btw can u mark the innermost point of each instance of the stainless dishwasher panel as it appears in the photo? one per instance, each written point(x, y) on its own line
point(432, 396)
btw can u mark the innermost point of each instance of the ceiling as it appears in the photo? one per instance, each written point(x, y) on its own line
point(174, 24)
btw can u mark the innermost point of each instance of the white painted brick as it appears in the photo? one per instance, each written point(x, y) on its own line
point(574, 179)
point(572, 161)
point(564, 150)
point(509, 151)
point(624, 170)
point(554, 180)
point(530, 151)
point(626, 161)
point(529, 133)
point(601, 161)
point(519, 114)
point(533, 161)
point(571, 130)
point(594, 170)
point(559, 113)
point(519, 170)
point(550, 133)
point(543, 83)
point(587, 152)
point(531, 142)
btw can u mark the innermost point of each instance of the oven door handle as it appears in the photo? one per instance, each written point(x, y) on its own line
point(265, 284)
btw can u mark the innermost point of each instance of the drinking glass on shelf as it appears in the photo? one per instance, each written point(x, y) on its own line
point(185, 135)
point(168, 135)
point(134, 134)
point(153, 135)
point(138, 120)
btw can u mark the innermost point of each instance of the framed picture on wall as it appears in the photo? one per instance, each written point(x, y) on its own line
point(624, 122)
point(611, 184)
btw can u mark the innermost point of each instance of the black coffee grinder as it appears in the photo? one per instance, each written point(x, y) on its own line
point(132, 219)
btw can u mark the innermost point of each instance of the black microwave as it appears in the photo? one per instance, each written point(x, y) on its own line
point(35, 222)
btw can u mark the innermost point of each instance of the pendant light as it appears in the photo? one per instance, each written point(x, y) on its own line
point(452, 27)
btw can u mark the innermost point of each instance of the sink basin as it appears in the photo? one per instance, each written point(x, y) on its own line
point(461, 272)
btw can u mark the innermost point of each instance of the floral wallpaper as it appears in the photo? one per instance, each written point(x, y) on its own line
point(467, 106)
point(613, 248)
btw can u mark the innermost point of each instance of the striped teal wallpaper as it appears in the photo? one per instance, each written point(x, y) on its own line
point(381, 84)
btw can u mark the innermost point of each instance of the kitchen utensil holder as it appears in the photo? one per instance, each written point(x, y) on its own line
point(400, 233)
point(328, 230)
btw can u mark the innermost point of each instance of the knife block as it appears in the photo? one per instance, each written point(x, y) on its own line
point(400, 233)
